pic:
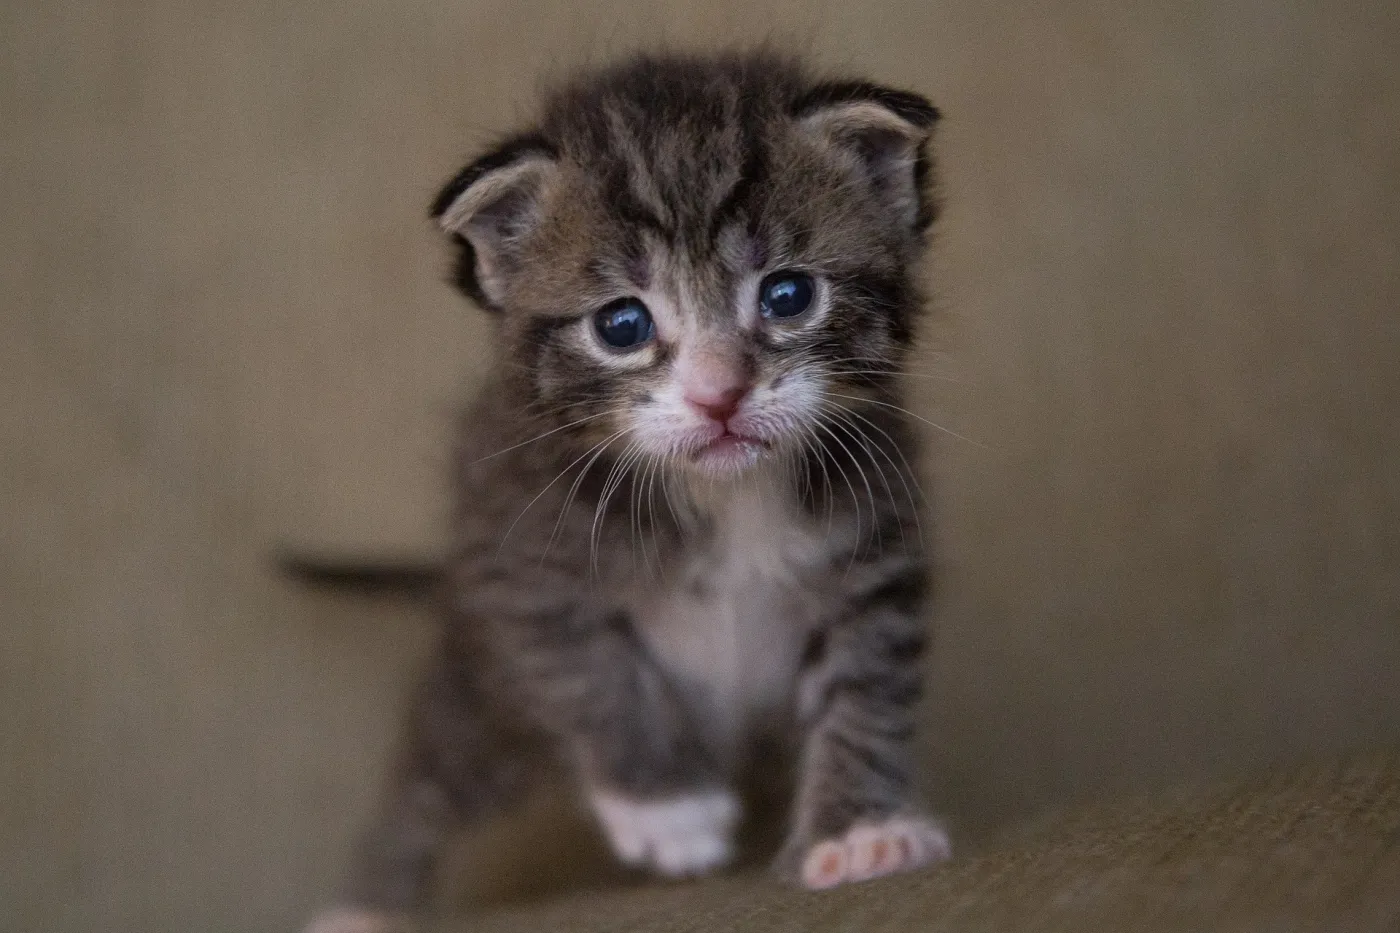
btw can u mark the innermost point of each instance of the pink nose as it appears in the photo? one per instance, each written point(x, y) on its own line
point(719, 404)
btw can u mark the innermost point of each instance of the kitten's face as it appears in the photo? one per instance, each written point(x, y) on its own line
point(710, 360)
point(715, 369)
point(706, 283)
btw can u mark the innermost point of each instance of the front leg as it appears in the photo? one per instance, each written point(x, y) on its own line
point(854, 816)
point(656, 790)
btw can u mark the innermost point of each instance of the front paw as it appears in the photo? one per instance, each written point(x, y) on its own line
point(679, 836)
point(868, 849)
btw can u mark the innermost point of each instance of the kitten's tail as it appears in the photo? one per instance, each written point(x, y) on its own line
point(417, 577)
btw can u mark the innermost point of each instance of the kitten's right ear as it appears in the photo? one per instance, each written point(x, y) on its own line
point(887, 132)
point(490, 207)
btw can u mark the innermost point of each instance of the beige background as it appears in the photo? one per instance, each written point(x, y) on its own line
point(1169, 276)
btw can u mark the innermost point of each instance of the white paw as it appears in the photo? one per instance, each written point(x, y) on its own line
point(676, 837)
point(872, 850)
point(358, 920)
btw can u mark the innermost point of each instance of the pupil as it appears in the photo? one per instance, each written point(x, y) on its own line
point(624, 324)
point(787, 295)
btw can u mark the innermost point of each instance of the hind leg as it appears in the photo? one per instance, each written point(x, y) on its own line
point(455, 766)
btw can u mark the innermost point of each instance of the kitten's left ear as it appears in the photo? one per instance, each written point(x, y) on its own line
point(886, 131)
point(491, 207)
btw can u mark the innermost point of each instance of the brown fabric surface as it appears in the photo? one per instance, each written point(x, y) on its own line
point(1315, 849)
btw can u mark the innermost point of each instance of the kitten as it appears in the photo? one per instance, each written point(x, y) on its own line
point(686, 516)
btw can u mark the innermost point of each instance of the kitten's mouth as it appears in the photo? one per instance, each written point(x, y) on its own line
point(730, 451)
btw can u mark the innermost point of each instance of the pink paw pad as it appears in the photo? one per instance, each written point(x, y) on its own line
point(873, 850)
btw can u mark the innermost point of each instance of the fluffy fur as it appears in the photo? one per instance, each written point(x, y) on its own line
point(667, 553)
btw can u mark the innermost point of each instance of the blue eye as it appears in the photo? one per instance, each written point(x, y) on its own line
point(624, 324)
point(786, 294)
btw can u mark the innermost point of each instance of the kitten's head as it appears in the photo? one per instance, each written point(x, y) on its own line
point(701, 259)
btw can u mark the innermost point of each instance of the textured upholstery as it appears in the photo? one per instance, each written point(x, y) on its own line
point(1312, 849)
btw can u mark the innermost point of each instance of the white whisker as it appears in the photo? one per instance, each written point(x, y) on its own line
point(913, 503)
point(893, 373)
point(616, 477)
point(871, 401)
point(597, 450)
point(546, 489)
point(666, 494)
point(653, 467)
point(869, 492)
point(863, 440)
point(537, 437)
point(812, 444)
point(855, 499)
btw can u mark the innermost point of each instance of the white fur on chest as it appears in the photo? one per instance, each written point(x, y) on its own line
point(730, 626)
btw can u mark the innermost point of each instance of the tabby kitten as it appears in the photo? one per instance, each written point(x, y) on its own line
point(686, 517)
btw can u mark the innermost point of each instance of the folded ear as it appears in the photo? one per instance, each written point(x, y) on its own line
point(490, 207)
point(885, 130)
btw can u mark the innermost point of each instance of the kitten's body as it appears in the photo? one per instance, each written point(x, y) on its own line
point(672, 548)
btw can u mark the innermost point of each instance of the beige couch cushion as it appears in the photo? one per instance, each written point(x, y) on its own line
point(1315, 849)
